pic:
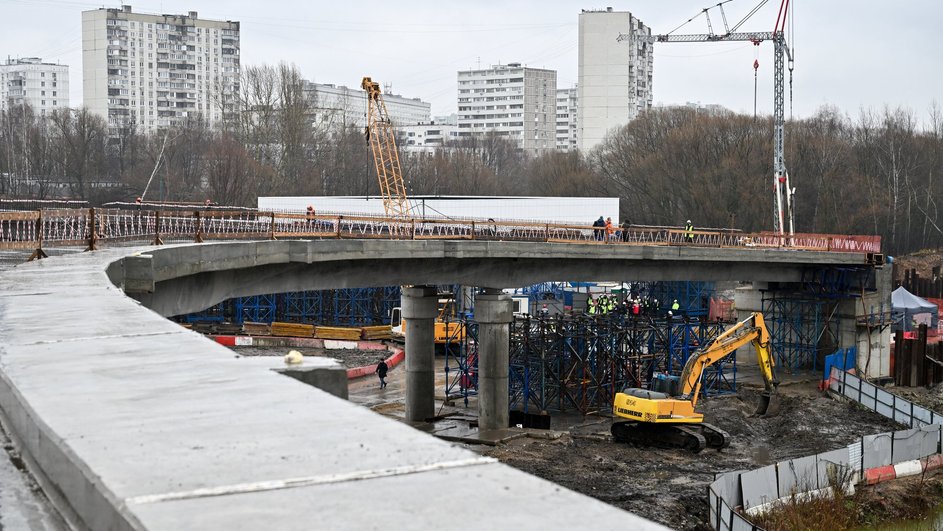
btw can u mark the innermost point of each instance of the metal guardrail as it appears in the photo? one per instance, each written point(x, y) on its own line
point(93, 226)
point(731, 494)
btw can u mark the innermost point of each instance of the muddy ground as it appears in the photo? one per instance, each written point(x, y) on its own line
point(348, 357)
point(931, 398)
point(669, 486)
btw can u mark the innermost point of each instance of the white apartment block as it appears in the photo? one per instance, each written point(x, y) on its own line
point(44, 86)
point(153, 72)
point(426, 137)
point(511, 100)
point(340, 106)
point(615, 78)
point(567, 100)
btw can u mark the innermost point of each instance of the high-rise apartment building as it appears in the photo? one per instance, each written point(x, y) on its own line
point(511, 100)
point(566, 119)
point(158, 71)
point(342, 106)
point(615, 78)
point(44, 86)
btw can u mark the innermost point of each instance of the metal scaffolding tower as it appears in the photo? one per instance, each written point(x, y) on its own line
point(339, 307)
point(578, 362)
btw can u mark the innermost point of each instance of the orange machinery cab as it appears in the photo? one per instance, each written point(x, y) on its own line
point(447, 328)
point(654, 407)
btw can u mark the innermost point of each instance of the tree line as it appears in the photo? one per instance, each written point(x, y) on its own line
point(878, 173)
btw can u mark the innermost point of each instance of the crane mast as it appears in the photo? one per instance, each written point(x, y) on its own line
point(382, 140)
point(783, 207)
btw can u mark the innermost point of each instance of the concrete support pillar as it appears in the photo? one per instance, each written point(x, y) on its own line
point(493, 313)
point(420, 308)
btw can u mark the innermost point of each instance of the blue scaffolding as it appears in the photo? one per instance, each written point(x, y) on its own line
point(693, 297)
point(255, 309)
point(338, 307)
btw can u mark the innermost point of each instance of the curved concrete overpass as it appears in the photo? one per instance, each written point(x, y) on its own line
point(183, 279)
point(136, 423)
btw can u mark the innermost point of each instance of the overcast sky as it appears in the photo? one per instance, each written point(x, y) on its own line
point(852, 54)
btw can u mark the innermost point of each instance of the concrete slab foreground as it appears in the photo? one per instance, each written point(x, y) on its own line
point(137, 423)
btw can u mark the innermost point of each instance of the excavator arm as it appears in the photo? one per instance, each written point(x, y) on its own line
point(750, 330)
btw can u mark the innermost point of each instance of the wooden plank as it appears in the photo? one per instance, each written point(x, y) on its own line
point(292, 330)
point(336, 332)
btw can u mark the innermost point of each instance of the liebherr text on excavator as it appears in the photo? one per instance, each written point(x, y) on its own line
point(669, 420)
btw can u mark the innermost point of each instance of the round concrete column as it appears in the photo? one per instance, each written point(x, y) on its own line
point(493, 313)
point(420, 308)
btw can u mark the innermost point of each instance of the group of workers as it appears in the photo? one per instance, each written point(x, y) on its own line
point(606, 304)
point(604, 230)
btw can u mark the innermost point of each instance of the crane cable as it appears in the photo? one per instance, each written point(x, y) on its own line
point(792, 51)
point(756, 66)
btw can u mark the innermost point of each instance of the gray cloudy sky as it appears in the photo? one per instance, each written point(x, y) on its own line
point(853, 54)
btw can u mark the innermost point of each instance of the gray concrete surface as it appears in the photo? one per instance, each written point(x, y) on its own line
point(326, 374)
point(493, 314)
point(420, 308)
point(23, 506)
point(190, 278)
point(138, 423)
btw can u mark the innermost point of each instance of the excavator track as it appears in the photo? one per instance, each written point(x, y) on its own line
point(716, 437)
point(659, 435)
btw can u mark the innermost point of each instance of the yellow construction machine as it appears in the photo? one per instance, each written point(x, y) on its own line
point(668, 420)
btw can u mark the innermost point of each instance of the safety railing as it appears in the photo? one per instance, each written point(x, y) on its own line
point(93, 226)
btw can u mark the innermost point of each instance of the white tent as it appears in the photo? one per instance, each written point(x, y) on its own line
point(908, 307)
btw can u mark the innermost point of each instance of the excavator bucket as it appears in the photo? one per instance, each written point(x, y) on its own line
point(768, 406)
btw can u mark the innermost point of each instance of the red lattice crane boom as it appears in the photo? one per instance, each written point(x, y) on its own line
point(382, 141)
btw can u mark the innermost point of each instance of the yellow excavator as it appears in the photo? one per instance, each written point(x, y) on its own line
point(668, 420)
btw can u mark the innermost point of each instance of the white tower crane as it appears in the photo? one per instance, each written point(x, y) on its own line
point(783, 212)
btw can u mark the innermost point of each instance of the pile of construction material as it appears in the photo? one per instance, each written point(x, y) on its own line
point(292, 330)
point(298, 330)
point(256, 329)
point(376, 332)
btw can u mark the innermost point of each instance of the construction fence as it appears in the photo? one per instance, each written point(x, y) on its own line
point(735, 495)
point(32, 230)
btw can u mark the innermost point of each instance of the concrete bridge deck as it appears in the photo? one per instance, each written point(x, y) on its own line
point(137, 423)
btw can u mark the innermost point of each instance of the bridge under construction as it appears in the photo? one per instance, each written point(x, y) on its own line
point(110, 358)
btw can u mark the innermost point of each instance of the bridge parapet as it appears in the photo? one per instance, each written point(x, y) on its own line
point(93, 227)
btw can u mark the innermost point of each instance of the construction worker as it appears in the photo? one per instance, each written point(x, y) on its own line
point(611, 305)
point(625, 230)
point(599, 228)
point(610, 230)
point(675, 306)
point(592, 306)
point(689, 232)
